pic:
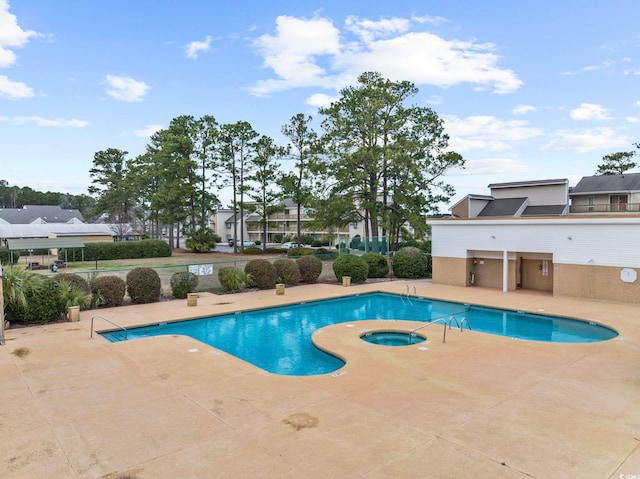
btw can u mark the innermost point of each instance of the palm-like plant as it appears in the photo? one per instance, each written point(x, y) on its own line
point(17, 283)
point(73, 295)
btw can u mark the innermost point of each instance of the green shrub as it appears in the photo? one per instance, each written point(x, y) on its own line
point(258, 242)
point(410, 262)
point(351, 265)
point(45, 305)
point(107, 250)
point(325, 254)
point(316, 243)
point(143, 285)
point(73, 295)
point(273, 250)
point(6, 256)
point(201, 241)
point(40, 300)
point(277, 238)
point(183, 283)
point(263, 273)
point(75, 280)
point(299, 251)
point(108, 291)
point(251, 250)
point(287, 271)
point(378, 265)
point(232, 279)
point(355, 242)
point(306, 240)
point(310, 268)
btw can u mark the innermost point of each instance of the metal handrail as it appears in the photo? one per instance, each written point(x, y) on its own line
point(409, 290)
point(453, 319)
point(465, 320)
point(444, 323)
point(108, 321)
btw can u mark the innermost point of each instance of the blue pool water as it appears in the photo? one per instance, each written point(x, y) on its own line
point(279, 339)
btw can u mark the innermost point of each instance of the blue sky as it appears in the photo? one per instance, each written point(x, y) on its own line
point(528, 89)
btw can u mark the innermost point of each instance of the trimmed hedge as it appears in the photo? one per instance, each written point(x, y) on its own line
point(310, 268)
point(143, 285)
point(287, 271)
point(378, 265)
point(299, 251)
point(108, 291)
point(251, 250)
point(263, 273)
point(106, 250)
point(325, 254)
point(74, 280)
point(44, 304)
point(183, 283)
point(410, 262)
point(351, 265)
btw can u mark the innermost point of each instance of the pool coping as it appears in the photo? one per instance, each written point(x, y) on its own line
point(479, 404)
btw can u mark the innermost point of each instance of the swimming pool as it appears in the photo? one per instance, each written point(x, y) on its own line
point(279, 339)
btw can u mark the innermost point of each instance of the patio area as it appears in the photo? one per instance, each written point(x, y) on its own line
point(478, 405)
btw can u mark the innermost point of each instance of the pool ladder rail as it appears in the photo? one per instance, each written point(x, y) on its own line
point(99, 316)
point(447, 325)
point(409, 289)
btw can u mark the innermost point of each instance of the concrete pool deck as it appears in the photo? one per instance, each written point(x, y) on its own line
point(477, 406)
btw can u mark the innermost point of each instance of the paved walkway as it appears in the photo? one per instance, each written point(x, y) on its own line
point(171, 407)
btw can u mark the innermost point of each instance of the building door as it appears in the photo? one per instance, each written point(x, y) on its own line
point(537, 274)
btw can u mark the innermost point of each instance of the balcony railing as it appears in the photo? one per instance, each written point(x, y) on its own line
point(606, 208)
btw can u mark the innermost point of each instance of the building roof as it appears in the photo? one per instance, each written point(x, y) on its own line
point(544, 210)
point(472, 197)
point(44, 230)
point(40, 214)
point(516, 184)
point(503, 207)
point(607, 184)
point(43, 243)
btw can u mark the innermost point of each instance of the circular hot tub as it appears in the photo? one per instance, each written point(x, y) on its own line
point(392, 338)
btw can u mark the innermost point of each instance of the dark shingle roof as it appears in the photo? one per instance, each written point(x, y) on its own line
point(607, 184)
point(544, 210)
point(30, 213)
point(503, 207)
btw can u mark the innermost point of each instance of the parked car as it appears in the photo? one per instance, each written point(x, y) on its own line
point(289, 244)
point(244, 244)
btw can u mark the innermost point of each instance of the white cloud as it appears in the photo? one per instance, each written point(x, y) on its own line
point(486, 133)
point(369, 30)
point(492, 166)
point(587, 140)
point(40, 121)
point(320, 100)
point(148, 130)
point(435, 100)
point(14, 90)
point(633, 119)
point(11, 35)
point(523, 109)
point(315, 53)
point(429, 19)
point(292, 53)
point(589, 111)
point(126, 89)
point(193, 49)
